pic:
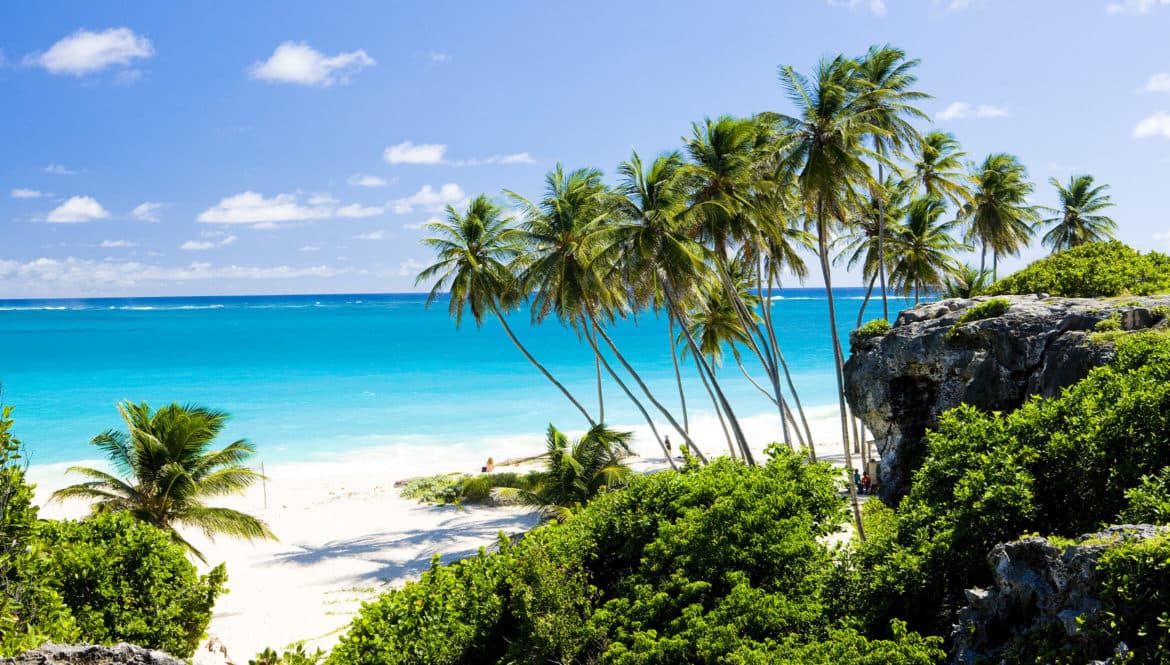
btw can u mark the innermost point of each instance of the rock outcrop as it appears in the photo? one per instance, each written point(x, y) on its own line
point(87, 654)
point(1039, 590)
point(900, 382)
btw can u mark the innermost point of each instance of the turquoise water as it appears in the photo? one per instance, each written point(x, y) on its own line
point(311, 377)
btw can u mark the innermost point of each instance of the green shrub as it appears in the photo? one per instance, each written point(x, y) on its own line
point(1094, 270)
point(1134, 579)
point(296, 656)
point(1149, 502)
point(461, 488)
point(875, 328)
point(1113, 323)
point(126, 581)
point(984, 310)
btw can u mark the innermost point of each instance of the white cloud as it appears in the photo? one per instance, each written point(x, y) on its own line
point(440, 58)
point(321, 199)
point(516, 158)
point(409, 153)
point(1134, 7)
point(877, 7)
point(410, 267)
point(360, 180)
point(372, 235)
point(430, 199)
point(963, 110)
point(20, 193)
point(76, 210)
point(1155, 125)
point(419, 225)
point(310, 248)
point(86, 52)
point(109, 244)
point(1158, 83)
point(959, 5)
point(297, 62)
point(203, 245)
point(356, 211)
point(57, 169)
point(252, 208)
point(86, 275)
point(147, 212)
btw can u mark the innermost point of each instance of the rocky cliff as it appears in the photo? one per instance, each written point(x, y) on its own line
point(85, 654)
point(900, 382)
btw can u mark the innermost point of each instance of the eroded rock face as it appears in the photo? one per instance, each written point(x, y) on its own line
point(1038, 589)
point(87, 654)
point(900, 383)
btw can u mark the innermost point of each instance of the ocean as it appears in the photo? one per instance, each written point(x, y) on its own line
point(317, 377)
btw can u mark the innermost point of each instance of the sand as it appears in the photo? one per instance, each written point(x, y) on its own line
point(346, 535)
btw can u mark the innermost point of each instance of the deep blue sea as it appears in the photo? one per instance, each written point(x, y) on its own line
point(313, 377)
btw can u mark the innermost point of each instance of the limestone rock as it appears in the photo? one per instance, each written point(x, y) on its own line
point(899, 383)
point(87, 654)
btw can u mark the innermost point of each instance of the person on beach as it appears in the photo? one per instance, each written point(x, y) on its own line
point(666, 441)
point(865, 483)
point(857, 479)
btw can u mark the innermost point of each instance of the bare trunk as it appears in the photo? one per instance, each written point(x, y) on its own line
point(868, 292)
point(882, 231)
point(682, 395)
point(600, 396)
point(547, 374)
point(718, 411)
point(812, 451)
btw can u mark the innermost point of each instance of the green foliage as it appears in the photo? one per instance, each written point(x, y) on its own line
point(1113, 323)
point(1134, 579)
point(1060, 466)
point(126, 581)
point(297, 656)
point(875, 328)
point(984, 310)
point(1149, 502)
point(1092, 270)
point(460, 488)
point(717, 564)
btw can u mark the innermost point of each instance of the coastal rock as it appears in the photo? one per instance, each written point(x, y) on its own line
point(1038, 588)
point(87, 654)
point(900, 382)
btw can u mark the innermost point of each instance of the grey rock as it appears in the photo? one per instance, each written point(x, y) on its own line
point(88, 654)
point(1036, 587)
point(900, 383)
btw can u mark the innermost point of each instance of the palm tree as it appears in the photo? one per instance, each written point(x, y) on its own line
point(576, 473)
point(167, 472)
point(1075, 224)
point(923, 247)
point(475, 251)
point(938, 169)
point(885, 77)
point(1000, 217)
point(862, 242)
point(828, 154)
point(966, 282)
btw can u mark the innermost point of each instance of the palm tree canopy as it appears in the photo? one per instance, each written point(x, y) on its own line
point(938, 168)
point(859, 245)
point(167, 471)
point(922, 247)
point(475, 251)
point(998, 212)
point(885, 79)
point(966, 282)
point(1075, 222)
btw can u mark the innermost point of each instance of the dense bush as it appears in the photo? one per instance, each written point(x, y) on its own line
point(1062, 466)
point(722, 564)
point(875, 328)
point(1092, 270)
point(126, 581)
point(461, 488)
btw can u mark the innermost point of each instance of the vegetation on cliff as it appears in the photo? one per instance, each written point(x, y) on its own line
point(1101, 269)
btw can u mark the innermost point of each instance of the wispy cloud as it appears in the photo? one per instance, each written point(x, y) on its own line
point(1134, 7)
point(310, 248)
point(876, 7)
point(204, 245)
point(410, 267)
point(76, 210)
point(963, 110)
point(57, 169)
point(20, 193)
point(147, 212)
point(1154, 125)
point(357, 211)
point(85, 52)
point(87, 275)
point(419, 225)
point(114, 244)
point(297, 62)
point(430, 199)
point(253, 208)
point(360, 180)
point(1159, 82)
point(439, 57)
point(517, 158)
point(409, 153)
point(372, 235)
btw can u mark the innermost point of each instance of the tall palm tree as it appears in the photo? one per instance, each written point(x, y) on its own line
point(168, 471)
point(938, 169)
point(862, 244)
point(475, 251)
point(885, 76)
point(1075, 222)
point(574, 473)
point(998, 212)
point(923, 248)
point(966, 282)
point(828, 153)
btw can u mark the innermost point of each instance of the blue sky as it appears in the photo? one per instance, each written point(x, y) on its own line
point(283, 147)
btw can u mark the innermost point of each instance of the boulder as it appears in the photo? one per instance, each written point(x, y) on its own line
point(88, 654)
point(900, 382)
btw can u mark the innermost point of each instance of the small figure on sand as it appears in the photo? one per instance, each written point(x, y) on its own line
point(490, 466)
point(666, 442)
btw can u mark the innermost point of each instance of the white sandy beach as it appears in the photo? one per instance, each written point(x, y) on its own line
point(346, 535)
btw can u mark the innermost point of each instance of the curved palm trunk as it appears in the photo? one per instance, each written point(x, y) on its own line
point(617, 379)
point(881, 230)
point(812, 452)
point(868, 292)
point(645, 389)
point(823, 249)
point(718, 411)
point(600, 395)
point(682, 395)
point(543, 370)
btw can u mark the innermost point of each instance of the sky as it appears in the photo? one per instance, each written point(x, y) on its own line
point(297, 147)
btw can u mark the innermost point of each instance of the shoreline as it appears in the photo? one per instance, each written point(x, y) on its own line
point(346, 535)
